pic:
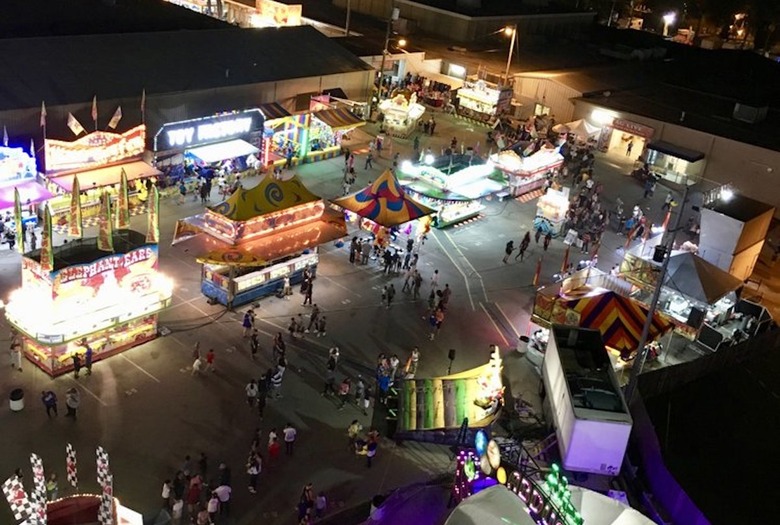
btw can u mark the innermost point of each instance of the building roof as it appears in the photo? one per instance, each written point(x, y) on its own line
point(481, 8)
point(740, 207)
point(597, 79)
point(73, 69)
point(41, 18)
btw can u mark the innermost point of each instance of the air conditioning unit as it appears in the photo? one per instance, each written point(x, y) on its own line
point(749, 114)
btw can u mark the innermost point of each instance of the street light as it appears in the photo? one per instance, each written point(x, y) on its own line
point(669, 19)
point(393, 16)
point(510, 31)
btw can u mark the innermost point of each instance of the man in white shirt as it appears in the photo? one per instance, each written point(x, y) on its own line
point(251, 392)
point(223, 493)
point(289, 438)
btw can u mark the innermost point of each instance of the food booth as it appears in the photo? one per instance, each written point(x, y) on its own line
point(401, 114)
point(103, 293)
point(551, 211)
point(281, 131)
point(530, 173)
point(99, 160)
point(326, 130)
point(250, 242)
point(482, 102)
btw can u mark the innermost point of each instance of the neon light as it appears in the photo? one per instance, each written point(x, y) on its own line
point(99, 148)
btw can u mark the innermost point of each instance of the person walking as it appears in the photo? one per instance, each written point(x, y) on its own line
point(369, 160)
point(629, 147)
point(72, 402)
point(524, 246)
point(537, 235)
point(210, 360)
point(286, 289)
point(49, 399)
point(667, 202)
point(417, 285)
point(547, 239)
point(253, 469)
point(360, 395)
point(436, 320)
point(390, 295)
point(411, 363)
point(213, 507)
point(321, 326)
point(314, 316)
point(197, 365)
point(223, 493)
point(330, 382)
point(321, 505)
point(88, 360)
point(277, 378)
point(251, 393)
point(435, 279)
point(248, 322)
point(254, 344)
point(309, 292)
point(344, 389)
point(290, 435)
point(76, 364)
point(510, 247)
point(433, 125)
point(353, 431)
point(167, 489)
point(16, 355)
point(306, 502)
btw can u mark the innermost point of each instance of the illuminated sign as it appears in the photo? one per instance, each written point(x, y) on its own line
point(110, 263)
point(633, 127)
point(99, 148)
point(16, 165)
point(276, 14)
point(190, 133)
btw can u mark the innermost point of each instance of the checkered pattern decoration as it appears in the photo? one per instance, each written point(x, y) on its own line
point(39, 491)
point(102, 466)
point(21, 506)
point(70, 466)
point(106, 514)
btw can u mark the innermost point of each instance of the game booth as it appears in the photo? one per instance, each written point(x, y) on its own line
point(94, 164)
point(401, 114)
point(18, 173)
point(453, 185)
point(383, 206)
point(551, 211)
point(282, 131)
point(250, 242)
point(438, 408)
point(482, 102)
point(327, 130)
point(102, 292)
point(527, 173)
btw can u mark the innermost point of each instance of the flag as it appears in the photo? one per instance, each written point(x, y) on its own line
point(43, 114)
point(153, 217)
point(105, 240)
point(94, 110)
point(102, 464)
point(74, 125)
point(20, 504)
point(122, 205)
point(143, 102)
point(106, 512)
point(75, 228)
point(114, 122)
point(47, 252)
point(32, 148)
point(70, 466)
point(18, 221)
point(5, 137)
point(39, 489)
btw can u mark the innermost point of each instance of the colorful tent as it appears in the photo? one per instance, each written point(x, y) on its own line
point(619, 319)
point(385, 202)
point(268, 196)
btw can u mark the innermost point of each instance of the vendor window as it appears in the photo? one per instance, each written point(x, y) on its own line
point(541, 110)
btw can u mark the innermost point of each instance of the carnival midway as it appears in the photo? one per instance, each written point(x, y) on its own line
point(297, 317)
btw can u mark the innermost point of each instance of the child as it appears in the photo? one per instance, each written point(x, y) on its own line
point(320, 505)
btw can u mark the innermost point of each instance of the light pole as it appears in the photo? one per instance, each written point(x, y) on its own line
point(349, 12)
point(510, 30)
point(393, 17)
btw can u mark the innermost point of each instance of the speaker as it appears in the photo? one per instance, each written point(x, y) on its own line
point(659, 254)
point(451, 354)
point(695, 318)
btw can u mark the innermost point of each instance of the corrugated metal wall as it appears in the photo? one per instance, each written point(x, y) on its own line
point(530, 90)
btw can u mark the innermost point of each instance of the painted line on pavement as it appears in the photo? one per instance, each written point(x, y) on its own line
point(90, 392)
point(508, 321)
point(338, 284)
point(182, 302)
point(500, 333)
point(457, 267)
point(476, 273)
point(139, 367)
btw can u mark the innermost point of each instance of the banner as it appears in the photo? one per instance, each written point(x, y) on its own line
point(39, 489)
point(105, 240)
point(5, 137)
point(47, 250)
point(106, 513)
point(99, 148)
point(18, 221)
point(43, 114)
point(71, 467)
point(102, 466)
point(20, 504)
point(75, 227)
point(114, 122)
point(74, 125)
point(122, 204)
point(153, 217)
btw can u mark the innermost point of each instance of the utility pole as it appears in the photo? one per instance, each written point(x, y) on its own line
point(513, 28)
point(349, 13)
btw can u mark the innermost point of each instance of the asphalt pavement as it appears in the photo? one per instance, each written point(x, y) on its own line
point(147, 409)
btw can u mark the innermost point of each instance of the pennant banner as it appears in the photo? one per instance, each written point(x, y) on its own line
point(102, 466)
point(153, 217)
point(122, 204)
point(18, 220)
point(71, 467)
point(39, 490)
point(20, 504)
point(74, 125)
point(47, 250)
point(114, 122)
point(75, 225)
point(106, 514)
point(43, 114)
point(94, 110)
point(5, 137)
point(105, 240)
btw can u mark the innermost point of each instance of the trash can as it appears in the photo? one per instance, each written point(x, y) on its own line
point(16, 399)
point(522, 344)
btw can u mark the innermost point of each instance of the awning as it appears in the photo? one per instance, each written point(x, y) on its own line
point(29, 192)
point(336, 93)
point(677, 152)
point(106, 176)
point(273, 110)
point(231, 149)
point(453, 82)
point(694, 277)
point(339, 118)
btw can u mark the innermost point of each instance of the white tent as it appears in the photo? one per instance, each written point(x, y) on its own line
point(500, 506)
point(582, 130)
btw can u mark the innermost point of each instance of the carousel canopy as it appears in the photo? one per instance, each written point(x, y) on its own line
point(619, 319)
point(694, 277)
point(384, 202)
point(268, 196)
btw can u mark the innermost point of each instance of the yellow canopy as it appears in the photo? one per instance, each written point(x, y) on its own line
point(268, 196)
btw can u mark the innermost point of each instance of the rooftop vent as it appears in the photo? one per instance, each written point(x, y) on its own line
point(748, 113)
